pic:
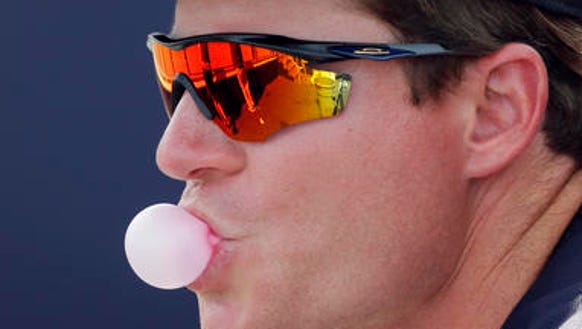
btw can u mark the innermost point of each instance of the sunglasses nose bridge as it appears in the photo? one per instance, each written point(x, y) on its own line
point(181, 84)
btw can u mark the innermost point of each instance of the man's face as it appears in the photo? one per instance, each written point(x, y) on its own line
point(349, 222)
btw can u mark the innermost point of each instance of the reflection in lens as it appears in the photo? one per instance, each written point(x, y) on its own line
point(253, 91)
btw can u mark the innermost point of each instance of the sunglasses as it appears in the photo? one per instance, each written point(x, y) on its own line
point(253, 85)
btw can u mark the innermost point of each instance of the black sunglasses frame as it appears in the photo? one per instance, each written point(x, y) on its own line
point(313, 51)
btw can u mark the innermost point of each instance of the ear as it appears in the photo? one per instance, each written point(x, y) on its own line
point(510, 102)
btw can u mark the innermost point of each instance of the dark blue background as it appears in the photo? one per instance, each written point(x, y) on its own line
point(80, 120)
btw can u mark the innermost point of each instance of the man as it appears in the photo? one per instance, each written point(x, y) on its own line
point(433, 200)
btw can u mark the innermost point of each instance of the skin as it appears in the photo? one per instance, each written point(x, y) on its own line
point(388, 216)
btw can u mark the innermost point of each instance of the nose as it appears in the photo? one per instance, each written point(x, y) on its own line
point(193, 147)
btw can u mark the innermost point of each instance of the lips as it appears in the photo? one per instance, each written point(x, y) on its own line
point(214, 277)
point(215, 237)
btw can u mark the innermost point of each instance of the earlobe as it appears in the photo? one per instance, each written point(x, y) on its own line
point(509, 110)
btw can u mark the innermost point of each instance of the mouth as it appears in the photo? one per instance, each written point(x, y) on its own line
point(215, 275)
point(215, 236)
point(190, 202)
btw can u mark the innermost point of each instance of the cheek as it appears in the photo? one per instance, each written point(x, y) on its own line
point(355, 240)
point(357, 212)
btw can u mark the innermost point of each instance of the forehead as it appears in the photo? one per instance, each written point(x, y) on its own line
point(306, 19)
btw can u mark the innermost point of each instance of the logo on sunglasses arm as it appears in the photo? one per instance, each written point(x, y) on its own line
point(372, 51)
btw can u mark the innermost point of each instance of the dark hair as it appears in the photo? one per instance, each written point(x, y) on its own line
point(484, 26)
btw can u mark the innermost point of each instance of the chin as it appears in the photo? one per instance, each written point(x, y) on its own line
point(218, 315)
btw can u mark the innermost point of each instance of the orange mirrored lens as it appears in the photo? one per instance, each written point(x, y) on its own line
point(253, 91)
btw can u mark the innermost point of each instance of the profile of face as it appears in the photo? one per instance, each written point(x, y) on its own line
point(347, 222)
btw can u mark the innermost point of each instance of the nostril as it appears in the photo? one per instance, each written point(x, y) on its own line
point(182, 83)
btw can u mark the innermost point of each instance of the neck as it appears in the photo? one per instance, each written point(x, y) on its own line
point(516, 221)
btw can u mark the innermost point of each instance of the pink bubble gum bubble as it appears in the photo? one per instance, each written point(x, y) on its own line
point(167, 247)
